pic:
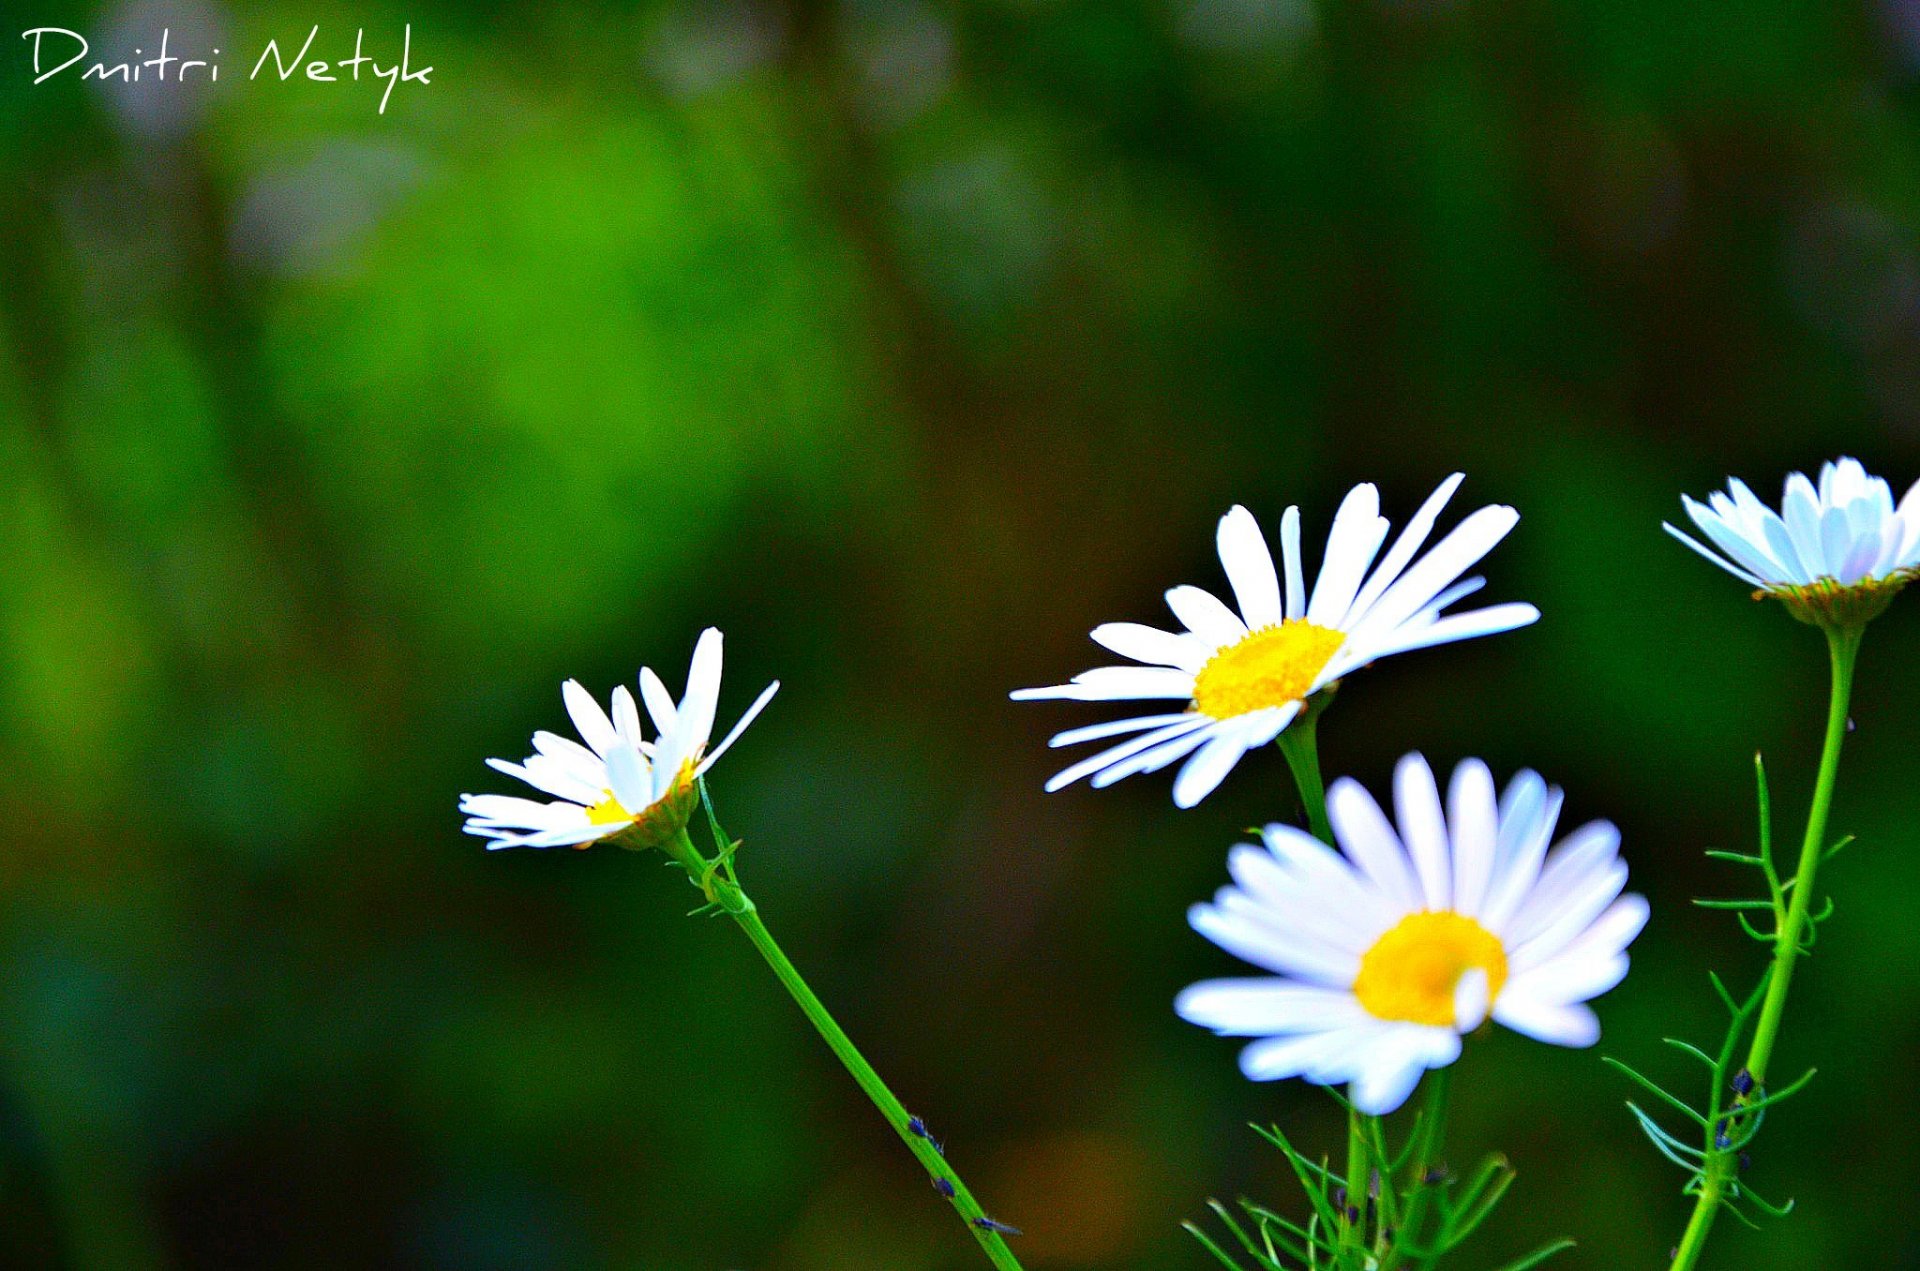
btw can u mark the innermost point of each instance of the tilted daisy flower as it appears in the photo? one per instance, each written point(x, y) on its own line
point(1245, 674)
point(618, 782)
point(1383, 954)
point(1835, 552)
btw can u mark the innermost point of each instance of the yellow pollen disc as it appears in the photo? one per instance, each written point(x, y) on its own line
point(1270, 667)
point(1411, 972)
point(609, 811)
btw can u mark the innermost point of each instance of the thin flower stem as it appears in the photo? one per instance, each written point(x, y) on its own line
point(1843, 646)
point(723, 891)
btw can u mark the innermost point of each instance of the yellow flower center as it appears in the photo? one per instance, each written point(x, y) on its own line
point(1270, 667)
point(1411, 972)
point(609, 811)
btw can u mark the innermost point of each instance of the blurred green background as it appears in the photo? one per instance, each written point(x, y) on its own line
point(905, 341)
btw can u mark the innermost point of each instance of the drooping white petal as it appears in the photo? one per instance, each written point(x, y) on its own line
point(740, 726)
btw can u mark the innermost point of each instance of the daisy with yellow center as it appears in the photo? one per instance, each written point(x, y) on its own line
point(618, 782)
point(1245, 674)
point(1383, 954)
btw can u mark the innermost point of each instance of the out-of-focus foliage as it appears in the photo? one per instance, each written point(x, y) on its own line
point(906, 341)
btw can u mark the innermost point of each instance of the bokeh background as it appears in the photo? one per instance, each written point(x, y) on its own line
point(906, 341)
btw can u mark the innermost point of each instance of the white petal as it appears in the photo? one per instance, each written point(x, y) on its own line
point(1568, 979)
point(1116, 684)
point(549, 778)
point(1473, 819)
point(1558, 1024)
point(1395, 1064)
point(1402, 552)
point(626, 716)
point(1116, 727)
point(1461, 626)
point(1181, 742)
point(1208, 768)
point(752, 713)
point(1470, 1000)
point(1185, 725)
point(1153, 646)
point(576, 760)
point(592, 722)
point(1265, 1007)
point(701, 701)
point(1371, 843)
point(1249, 564)
point(1290, 562)
point(659, 702)
point(1723, 563)
point(1328, 1055)
point(1206, 616)
point(1235, 926)
point(1358, 530)
point(1423, 827)
point(1450, 558)
point(632, 782)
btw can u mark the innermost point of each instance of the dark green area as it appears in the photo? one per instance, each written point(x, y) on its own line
point(905, 341)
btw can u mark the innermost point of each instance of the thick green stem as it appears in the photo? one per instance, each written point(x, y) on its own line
point(725, 893)
point(1300, 743)
point(1353, 1216)
point(1424, 1181)
point(1843, 647)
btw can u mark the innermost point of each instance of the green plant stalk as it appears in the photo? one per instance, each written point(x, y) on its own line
point(1843, 649)
point(1300, 743)
point(1424, 1157)
point(716, 880)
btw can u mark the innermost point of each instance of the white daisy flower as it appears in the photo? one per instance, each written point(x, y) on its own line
point(1246, 675)
point(1382, 957)
point(617, 782)
point(1832, 551)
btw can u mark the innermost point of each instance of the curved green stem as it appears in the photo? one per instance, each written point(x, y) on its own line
point(1843, 647)
point(723, 891)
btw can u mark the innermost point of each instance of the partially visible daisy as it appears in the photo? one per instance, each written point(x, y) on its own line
point(1383, 954)
point(1245, 675)
point(1836, 550)
point(618, 781)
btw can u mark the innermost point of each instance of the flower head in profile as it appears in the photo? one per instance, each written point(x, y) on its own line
point(1836, 552)
point(1244, 673)
point(618, 783)
point(1381, 955)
